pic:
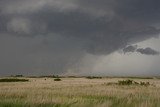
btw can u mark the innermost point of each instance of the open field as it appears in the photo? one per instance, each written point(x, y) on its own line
point(79, 92)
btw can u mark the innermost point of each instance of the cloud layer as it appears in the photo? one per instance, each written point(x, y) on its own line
point(146, 51)
point(61, 32)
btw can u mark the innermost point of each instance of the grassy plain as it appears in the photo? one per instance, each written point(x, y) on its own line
point(79, 92)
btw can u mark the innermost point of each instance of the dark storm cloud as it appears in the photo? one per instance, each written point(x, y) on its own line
point(97, 27)
point(130, 48)
point(148, 51)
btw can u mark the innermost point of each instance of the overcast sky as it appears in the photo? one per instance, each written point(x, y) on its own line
point(80, 37)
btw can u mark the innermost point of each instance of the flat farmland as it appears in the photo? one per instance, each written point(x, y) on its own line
point(79, 92)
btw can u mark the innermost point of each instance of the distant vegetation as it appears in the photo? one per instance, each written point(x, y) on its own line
point(13, 80)
point(57, 79)
point(138, 77)
point(88, 77)
point(125, 82)
point(93, 77)
point(44, 76)
point(19, 75)
point(129, 82)
point(49, 76)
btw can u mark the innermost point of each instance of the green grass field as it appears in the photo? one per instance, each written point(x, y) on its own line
point(79, 92)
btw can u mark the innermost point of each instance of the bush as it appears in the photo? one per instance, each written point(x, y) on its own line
point(18, 75)
point(136, 83)
point(93, 77)
point(144, 83)
point(13, 80)
point(125, 82)
point(57, 79)
point(111, 83)
point(131, 82)
point(48, 76)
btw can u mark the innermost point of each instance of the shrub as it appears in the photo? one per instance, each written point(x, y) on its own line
point(93, 77)
point(131, 82)
point(111, 83)
point(18, 75)
point(136, 83)
point(125, 82)
point(144, 83)
point(57, 79)
point(13, 80)
point(48, 76)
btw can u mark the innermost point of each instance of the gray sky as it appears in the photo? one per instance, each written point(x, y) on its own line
point(79, 37)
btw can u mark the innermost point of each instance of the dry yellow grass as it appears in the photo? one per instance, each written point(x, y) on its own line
point(79, 92)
